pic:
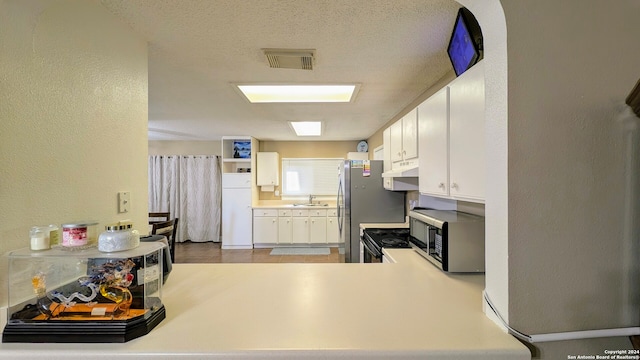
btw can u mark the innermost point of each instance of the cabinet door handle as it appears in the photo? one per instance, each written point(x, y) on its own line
point(454, 185)
point(441, 185)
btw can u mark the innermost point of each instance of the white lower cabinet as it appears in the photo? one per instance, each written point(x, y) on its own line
point(318, 226)
point(285, 227)
point(300, 230)
point(333, 232)
point(265, 226)
point(236, 219)
point(295, 226)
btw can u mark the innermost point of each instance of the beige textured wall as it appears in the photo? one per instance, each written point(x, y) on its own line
point(168, 147)
point(567, 159)
point(310, 149)
point(73, 129)
point(305, 149)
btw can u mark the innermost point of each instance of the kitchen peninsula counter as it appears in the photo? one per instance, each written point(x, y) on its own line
point(407, 310)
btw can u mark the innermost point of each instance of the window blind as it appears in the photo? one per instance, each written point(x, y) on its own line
point(310, 176)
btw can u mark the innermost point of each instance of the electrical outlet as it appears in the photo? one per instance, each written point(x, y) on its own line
point(124, 201)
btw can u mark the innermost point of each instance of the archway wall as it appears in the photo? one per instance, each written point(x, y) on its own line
point(491, 18)
point(562, 186)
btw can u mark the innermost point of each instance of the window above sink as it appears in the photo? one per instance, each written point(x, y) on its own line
point(304, 177)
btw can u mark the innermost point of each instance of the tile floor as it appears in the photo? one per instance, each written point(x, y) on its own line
point(209, 252)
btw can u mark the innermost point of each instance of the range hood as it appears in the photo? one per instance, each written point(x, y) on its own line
point(401, 172)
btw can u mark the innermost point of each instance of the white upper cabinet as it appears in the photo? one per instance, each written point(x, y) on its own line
point(396, 141)
point(467, 135)
point(386, 149)
point(452, 139)
point(404, 140)
point(433, 127)
point(410, 135)
point(268, 169)
point(401, 140)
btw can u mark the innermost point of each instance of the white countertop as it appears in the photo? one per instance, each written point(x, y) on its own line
point(406, 310)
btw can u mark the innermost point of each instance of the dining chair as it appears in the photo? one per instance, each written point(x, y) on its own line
point(167, 229)
point(158, 216)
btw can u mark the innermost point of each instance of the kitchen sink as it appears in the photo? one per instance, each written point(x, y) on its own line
point(314, 204)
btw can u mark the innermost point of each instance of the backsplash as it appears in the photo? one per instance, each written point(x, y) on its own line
point(444, 204)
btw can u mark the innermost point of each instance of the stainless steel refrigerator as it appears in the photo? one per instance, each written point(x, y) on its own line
point(363, 199)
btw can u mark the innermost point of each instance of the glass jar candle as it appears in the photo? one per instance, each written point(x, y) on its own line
point(118, 237)
point(80, 234)
point(39, 238)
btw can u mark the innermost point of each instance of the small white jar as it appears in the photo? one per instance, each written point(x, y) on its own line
point(39, 238)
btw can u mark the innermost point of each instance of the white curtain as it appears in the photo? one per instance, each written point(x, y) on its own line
point(189, 188)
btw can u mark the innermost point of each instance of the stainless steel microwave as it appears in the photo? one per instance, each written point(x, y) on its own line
point(451, 240)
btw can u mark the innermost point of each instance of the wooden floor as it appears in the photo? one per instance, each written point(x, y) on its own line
point(210, 252)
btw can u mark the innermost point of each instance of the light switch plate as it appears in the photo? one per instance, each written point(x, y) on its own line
point(124, 201)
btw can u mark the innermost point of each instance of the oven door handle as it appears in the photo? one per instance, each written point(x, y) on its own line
point(369, 249)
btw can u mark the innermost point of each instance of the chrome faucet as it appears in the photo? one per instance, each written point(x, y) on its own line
point(311, 197)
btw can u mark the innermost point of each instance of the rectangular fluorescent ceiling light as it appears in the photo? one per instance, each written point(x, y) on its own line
point(298, 93)
point(307, 128)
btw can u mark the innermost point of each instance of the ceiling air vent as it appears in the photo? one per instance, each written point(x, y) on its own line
point(301, 59)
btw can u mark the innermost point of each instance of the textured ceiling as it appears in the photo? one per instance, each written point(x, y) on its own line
point(395, 49)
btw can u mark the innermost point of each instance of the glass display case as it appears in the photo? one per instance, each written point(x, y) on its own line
point(84, 296)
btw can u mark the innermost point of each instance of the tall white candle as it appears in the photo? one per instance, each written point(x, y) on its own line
point(39, 241)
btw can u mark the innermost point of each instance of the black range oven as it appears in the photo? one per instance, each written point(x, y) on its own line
point(374, 239)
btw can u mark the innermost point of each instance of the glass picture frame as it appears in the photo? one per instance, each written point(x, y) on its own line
point(242, 149)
